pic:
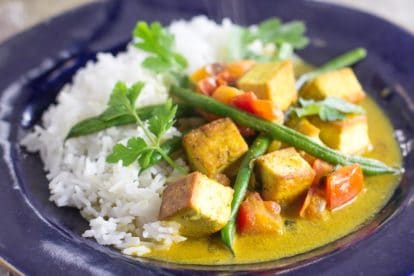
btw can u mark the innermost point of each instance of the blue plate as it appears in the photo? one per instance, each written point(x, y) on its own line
point(38, 238)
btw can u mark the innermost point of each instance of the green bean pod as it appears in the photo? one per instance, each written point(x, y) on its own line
point(96, 124)
point(282, 133)
point(344, 60)
point(258, 147)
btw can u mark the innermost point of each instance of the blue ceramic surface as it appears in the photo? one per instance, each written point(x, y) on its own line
point(40, 239)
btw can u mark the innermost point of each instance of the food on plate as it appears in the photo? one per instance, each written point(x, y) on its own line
point(284, 175)
point(199, 204)
point(201, 146)
point(208, 143)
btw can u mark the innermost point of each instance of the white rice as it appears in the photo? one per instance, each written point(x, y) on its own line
point(121, 206)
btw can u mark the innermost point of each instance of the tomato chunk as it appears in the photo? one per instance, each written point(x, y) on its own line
point(245, 102)
point(256, 216)
point(261, 108)
point(321, 169)
point(343, 185)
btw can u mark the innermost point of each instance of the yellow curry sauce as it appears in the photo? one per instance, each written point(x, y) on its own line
point(304, 234)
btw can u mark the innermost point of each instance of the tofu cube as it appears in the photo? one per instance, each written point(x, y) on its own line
point(340, 83)
point(199, 204)
point(349, 136)
point(215, 146)
point(272, 81)
point(285, 175)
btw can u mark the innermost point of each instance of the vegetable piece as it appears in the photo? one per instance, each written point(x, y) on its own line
point(199, 204)
point(314, 206)
point(349, 136)
point(321, 169)
point(261, 108)
point(207, 86)
point(343, 185)
point(239, 68)
point(344, 60)
point(100, 122)
point(121, 103)
point(259, 217)
point(283, 38)
point(340, 83)
point(271, 81)
point(328, 110)
point(285, 175)
point(168, 147)
point(199, 75)
point(215, 146)
point(257, 148)
point(225, 94)
point(159, 42)
point(282, 133)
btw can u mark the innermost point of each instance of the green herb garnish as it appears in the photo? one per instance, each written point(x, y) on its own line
point(159, 42)
point(284, 37)
point(122, 103)
point(328, 110)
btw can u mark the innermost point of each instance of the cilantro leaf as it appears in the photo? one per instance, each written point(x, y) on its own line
point(285, 37)
point(162, 119)
point(128, 154)
point(159, 42)
point(329, 109)
point(122, 101)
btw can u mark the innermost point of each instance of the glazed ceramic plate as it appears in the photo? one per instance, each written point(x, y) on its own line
point(38, 238)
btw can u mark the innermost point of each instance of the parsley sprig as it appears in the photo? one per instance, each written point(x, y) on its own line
point(159, 43)
point(328, 110)
point(121, 103)
point(285, 37)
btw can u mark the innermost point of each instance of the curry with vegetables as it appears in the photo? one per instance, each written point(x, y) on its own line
point(282, 159)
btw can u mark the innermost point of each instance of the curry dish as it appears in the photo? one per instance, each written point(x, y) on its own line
point(255, 156)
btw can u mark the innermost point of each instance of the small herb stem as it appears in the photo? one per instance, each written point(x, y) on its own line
point(149, 135)
point(170, 161)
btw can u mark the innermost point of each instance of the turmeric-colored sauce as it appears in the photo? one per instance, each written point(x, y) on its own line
point(301, 235)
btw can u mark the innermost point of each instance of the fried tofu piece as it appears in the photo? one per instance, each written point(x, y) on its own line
point(285, 175)
point(349, 136)
point(271, 81)
point(215, 146)
point(199, 204)
point(340, 83)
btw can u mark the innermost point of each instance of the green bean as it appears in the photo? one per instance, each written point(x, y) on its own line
point(347, 59)
point(282, 133)
point(258, 147)
point(96, 124)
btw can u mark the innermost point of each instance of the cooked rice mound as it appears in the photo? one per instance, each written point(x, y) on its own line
point(121, 206)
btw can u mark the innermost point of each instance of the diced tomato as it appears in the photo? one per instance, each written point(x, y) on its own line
point(245, 101)
point(239, 68)
point(314, 206)
point(207, 86)
point(223, 78)
point(343, 185)
point(256, 216)
point(261, 108)
point(225, 94)
point(321, 169)
point(266, 110)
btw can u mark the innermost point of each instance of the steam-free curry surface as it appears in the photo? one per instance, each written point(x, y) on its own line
point(302, 235)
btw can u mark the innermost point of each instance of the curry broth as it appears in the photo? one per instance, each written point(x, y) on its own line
point(304, 235)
